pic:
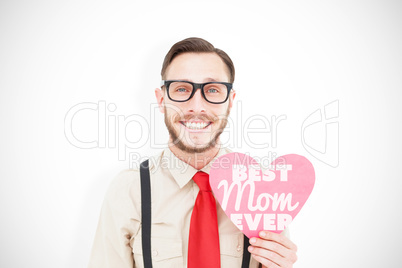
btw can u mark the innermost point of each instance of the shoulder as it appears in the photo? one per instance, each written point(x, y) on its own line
point(127, 182)
point(125, 178)
point(123, 185)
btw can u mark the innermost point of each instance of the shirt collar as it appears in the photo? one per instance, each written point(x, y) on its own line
point(181, 171)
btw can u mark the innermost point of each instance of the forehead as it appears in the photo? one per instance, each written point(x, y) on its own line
point(198, 67)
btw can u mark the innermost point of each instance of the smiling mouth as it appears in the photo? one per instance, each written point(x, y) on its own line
point(196, 125)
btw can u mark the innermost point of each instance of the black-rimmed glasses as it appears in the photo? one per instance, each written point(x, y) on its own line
point(213, 92)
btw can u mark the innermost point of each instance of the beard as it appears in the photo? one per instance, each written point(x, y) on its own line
point(178, 140)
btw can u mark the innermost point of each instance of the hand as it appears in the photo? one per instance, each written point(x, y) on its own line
point(273, 250)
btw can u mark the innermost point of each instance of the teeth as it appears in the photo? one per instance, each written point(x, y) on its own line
point(193, 125)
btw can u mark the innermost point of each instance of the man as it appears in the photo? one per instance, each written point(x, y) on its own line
point(196, 97)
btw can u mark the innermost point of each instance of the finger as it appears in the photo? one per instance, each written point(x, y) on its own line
point(288, 254)
point(265, 262)
point(270, 245)
point(279, 238)
point(269, 255)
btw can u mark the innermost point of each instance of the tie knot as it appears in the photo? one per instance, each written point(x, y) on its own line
point(202, 180)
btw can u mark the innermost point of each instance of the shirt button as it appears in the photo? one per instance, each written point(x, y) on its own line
point(154, 253)
point(238, 248)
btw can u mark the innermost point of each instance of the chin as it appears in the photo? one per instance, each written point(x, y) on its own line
point(196, 148)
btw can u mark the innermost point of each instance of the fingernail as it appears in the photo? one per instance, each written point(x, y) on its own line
point(250, 248)
point(263, 234)
point(253, 240)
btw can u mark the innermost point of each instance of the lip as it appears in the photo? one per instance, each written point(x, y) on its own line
point(196, 125)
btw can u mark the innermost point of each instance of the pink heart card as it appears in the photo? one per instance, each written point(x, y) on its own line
point(257, 199)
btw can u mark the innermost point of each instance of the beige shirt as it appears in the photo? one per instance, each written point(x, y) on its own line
point(118, 237)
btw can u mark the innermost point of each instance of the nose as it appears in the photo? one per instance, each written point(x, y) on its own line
point(197, 103)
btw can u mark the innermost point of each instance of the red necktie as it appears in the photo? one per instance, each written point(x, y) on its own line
point(203, 245)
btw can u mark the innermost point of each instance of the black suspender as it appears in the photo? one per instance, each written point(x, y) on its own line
point(146, 220)
point(246, 253)
point(146, 213)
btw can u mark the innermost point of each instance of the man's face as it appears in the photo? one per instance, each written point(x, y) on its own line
point(195, 125)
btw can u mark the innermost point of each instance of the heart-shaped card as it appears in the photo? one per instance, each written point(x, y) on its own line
point(257, 199)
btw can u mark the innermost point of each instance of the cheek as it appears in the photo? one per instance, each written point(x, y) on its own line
point(172, 111)
point(221, 112)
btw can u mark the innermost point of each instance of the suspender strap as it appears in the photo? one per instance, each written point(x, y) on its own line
point(146, 220)
point(146, 213)
point(246, 253)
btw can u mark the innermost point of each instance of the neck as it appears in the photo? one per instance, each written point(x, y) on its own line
point(196, 160)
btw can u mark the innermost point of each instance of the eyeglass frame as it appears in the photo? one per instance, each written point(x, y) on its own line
point(229, 87)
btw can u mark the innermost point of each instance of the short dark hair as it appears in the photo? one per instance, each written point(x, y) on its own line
point(197, 45)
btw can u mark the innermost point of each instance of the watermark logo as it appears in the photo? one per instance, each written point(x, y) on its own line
point(128, 133)
point(320, 134)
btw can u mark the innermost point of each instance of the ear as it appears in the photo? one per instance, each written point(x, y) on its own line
point(232, 96)
point(160, 95)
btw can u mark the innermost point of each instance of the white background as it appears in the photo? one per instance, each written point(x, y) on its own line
point(291, 58)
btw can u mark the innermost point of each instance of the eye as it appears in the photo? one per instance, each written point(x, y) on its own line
point(212, 90)
point(181, 89)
